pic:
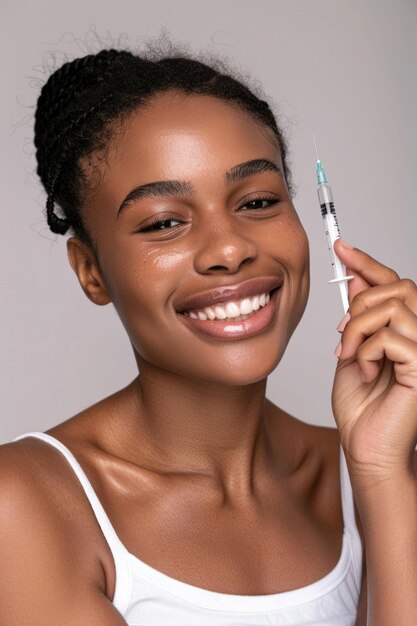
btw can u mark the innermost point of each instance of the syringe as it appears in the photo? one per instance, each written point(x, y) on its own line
point(332, 230)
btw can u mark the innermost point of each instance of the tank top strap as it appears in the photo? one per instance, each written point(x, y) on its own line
point(346, 493)
point(118, 550)
point(348, 509)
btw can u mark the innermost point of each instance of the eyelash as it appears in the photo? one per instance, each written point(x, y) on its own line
point(170, 218)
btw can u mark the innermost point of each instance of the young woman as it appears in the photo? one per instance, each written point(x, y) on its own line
point(188, 498)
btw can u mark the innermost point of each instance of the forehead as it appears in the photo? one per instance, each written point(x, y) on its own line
point(190, 123)
point(177, 135)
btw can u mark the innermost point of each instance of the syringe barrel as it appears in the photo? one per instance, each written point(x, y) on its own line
point(331, 227)
point(325, 194)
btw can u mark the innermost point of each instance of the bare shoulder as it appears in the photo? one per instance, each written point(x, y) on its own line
point(322, 441)
point(46, 559)
point(38, 494)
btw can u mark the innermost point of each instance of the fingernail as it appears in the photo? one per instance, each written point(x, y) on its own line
point(345, 244)
point(343, 323)
point(338, 349)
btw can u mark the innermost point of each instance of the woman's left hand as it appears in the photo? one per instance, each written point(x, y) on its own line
point(374, 396)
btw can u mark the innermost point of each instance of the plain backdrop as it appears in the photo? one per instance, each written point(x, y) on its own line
point(345, 69)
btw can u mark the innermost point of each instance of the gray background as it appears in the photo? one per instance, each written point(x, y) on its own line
point(345, 69)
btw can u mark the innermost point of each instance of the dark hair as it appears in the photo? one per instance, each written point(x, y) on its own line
point(82, 101)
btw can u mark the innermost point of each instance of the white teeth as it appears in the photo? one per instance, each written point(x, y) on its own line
point(220, 312)
point(246, 306)
point(210, 313)
point(240, 318)
point(232, 309)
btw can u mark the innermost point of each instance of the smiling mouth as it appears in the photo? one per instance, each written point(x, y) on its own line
point(214, 314)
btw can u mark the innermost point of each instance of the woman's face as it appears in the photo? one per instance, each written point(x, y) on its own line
point(210, 234)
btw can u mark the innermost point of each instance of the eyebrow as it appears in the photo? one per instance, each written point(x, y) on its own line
point(175, 188)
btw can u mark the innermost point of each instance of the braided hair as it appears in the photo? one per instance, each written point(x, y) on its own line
point(83, 99)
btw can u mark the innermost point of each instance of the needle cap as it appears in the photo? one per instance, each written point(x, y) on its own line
point(321, 176)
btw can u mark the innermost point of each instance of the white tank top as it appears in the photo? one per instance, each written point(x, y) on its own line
point(147, 597)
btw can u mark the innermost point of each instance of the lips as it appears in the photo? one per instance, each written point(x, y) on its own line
point(227, 293)
point(258, 323)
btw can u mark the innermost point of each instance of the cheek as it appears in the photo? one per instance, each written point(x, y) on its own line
point(166, 262)
point(298, 247)
point(289, 244)
point(292, 251)
point(142, 281)
point(302, 269)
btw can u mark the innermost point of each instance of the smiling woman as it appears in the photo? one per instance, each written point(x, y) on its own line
point(187, 497)
point(176, 143)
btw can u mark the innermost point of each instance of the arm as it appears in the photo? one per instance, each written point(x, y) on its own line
point(46, 577)
point(365, 617)
point(389, 517)
point(374, 401)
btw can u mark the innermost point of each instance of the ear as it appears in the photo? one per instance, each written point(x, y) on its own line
point(84, 263)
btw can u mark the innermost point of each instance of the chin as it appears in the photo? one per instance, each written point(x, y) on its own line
point(232, 375)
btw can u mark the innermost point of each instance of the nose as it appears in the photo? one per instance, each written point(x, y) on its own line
point(223, 247)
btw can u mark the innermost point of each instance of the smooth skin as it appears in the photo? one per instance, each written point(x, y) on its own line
point(191, 462)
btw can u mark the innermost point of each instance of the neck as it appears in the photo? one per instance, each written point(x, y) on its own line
point(226, 432)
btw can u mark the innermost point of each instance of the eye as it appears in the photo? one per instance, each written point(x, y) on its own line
point(154, 225)
point(270, 201)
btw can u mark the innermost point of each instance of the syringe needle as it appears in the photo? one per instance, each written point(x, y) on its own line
point(314, 139)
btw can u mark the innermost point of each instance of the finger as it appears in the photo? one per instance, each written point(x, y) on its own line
point(374, 272)
point(356, 285)
point(391, 313)
point(403, 289)
point(400, 350)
